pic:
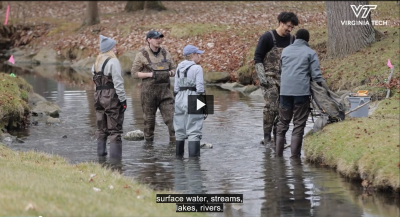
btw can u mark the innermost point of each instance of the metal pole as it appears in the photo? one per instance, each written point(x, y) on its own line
point(388, 82)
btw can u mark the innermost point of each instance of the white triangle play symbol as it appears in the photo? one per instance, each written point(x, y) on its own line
point(200, 104)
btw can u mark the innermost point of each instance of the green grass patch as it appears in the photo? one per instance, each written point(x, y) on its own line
point(356, 146)
point(367, 66)
point(64, 28)
point(388, 108)
point(14, 94)
point(55, 188)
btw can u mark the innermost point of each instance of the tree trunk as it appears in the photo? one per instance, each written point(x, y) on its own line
point(92, 14)
point(139, 5)
point(346, 39)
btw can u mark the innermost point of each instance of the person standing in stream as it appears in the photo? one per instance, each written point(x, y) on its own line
point(188, 81)
point(154, 65)
point(299, 65)
point(268, 67)
point(110, 99)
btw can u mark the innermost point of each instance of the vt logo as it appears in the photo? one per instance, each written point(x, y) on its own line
point(367, 8)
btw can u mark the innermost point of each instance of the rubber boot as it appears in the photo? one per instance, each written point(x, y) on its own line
point(115, 164)
point(102, 160)
point(180, 148)
point(279, 145)
point(149, 139)
point(116, 150)
point(101, 148)
point(295, 146)
point(194, 148)
point(267, 138)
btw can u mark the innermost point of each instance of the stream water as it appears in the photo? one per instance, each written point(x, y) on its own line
point(237, 163)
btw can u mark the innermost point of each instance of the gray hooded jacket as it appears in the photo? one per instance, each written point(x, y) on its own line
point(113, 68)
point(298, 63)
point(195, 73)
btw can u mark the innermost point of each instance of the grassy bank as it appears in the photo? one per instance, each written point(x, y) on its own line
point(14, 96)
point(38, 184)
point(362, 147)
point(365, 69)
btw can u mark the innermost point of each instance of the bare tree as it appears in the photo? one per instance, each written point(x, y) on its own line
point(343, 37)
point(92, 14)
point(140, 5)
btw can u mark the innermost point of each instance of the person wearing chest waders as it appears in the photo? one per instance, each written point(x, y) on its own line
point(188, 81)
point(109, 99)
point(299, 64)
point(154, 65)
point(268, 68)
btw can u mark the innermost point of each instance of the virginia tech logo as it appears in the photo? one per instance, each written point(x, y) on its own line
point(367, 8)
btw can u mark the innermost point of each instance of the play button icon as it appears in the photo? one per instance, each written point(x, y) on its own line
point(200, 104)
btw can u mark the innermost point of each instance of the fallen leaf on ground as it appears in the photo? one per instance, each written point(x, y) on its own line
point(96, 189)
point(30, 206)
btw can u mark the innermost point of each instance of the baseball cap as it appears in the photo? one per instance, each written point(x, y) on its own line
point(154, 34)
point(189, 49)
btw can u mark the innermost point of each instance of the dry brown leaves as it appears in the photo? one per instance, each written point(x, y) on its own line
point(224, 50)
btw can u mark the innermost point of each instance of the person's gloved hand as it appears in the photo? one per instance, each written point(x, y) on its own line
point(123, 106)
point(154, 75)
point(323, 84)
point(261, 75)
point(205, 109)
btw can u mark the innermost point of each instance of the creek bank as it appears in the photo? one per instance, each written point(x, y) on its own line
point(364, 149)
point(20, 106)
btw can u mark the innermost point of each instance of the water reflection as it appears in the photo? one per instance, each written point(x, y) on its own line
point(285, 191)
point(237, 163)
point(188, 177)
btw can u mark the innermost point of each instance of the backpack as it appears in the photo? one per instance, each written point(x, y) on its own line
point(331, 106)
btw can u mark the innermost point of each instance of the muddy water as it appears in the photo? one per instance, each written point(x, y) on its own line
point(237, 163)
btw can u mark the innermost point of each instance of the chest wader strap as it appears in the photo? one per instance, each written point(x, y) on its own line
point(185, 76)
point(164, 53)
point(185, 72)
point(273, 37)
point(100, 74)
point(146, 55)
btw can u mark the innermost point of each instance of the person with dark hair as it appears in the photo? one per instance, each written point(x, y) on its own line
point(299, 65)
point(267, 64)
point(109, 99)
point(154, 65)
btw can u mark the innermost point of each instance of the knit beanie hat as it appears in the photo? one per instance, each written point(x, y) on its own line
point(106, 44)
